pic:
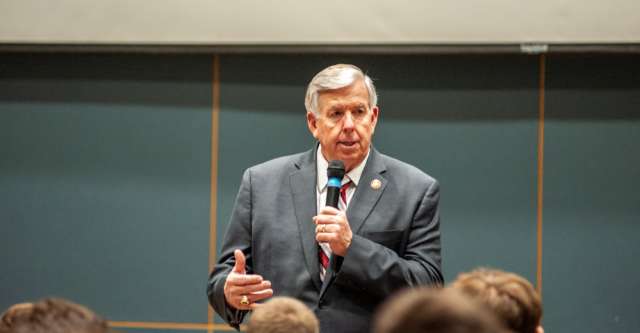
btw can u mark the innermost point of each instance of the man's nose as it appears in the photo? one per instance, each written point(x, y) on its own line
point(348, 121)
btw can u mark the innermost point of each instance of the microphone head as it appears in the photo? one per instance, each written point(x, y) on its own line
point(335, 169)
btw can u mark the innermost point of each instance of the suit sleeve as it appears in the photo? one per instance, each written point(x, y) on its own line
point(373, 268)
point(238, 237)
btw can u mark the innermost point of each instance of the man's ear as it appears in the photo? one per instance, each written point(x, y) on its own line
point(539, 329)
point(312, 123)
point(375, 111)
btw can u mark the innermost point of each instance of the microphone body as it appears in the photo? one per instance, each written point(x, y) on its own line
point(335, 173)
point(333, 192)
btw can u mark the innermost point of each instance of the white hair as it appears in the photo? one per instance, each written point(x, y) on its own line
point(337, 77)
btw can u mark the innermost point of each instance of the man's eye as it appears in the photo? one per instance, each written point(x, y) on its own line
point(360, 112)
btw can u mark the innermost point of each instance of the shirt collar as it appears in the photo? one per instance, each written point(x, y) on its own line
point(322, 165)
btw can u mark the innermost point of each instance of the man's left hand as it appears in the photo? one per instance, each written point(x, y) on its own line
point(333, 228)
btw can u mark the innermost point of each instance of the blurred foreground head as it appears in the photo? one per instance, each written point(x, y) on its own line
point(511, 297)
point(14, 313)
point(283, 315)
point(52, 315)
point(428, 310)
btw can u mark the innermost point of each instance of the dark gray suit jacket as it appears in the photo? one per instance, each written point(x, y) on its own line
point(396, 239)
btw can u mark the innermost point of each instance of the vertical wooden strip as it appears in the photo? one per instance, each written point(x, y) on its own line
point(541, 101)
point(215, 112)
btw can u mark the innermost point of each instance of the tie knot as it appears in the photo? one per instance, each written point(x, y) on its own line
point(346, 185)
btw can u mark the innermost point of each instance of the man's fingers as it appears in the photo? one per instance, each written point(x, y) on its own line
point(326, 228)
point(339, 218)
point(260, 295)
point(253, 298)
point(235, 279)
point(248, 289)
point(326, 237)
point(239, 266)
point(328, 210)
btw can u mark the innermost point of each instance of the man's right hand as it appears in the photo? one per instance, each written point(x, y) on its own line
point(240, 284)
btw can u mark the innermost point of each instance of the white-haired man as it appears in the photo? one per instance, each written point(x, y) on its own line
point(280, 238)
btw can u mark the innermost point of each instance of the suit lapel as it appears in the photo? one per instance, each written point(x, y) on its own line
point(303, 192)
point(366, 196)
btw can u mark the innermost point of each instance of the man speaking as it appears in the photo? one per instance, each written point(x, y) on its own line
point(286, 239)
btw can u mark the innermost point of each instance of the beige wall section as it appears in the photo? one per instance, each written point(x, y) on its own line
point(299, 22)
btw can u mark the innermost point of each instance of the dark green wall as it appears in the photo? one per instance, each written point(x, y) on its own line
point(104, 183)
point(105, 171)
point(592, 198)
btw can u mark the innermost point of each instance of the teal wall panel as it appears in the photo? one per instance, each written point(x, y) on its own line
point(470, 122)
point(105, 181)
point(591, 232)
point(262, 116)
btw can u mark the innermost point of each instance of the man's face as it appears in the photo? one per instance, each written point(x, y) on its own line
point(345, 123)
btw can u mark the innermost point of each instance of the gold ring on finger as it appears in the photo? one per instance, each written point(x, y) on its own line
point(244, 300)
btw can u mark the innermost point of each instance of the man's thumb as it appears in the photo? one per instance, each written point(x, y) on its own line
point(240, 262)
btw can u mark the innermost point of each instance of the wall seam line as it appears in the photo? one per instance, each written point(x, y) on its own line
point(213, 208)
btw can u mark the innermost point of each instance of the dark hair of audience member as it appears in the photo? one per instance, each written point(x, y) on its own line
point(283, 315)
point(434, 310)
point(511, 297)
point(54, 315)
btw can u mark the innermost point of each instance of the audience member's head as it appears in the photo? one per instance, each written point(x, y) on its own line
point(283, 315)
point(13, 314)
point(511, 297)
point(53, 315)
point(433, 310)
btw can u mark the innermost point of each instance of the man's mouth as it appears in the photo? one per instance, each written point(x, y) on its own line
point(347, 143)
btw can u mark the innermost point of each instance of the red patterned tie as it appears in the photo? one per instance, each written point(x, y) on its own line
point(325, 252)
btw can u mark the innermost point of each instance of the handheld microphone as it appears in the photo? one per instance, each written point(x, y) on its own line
point(335, 172)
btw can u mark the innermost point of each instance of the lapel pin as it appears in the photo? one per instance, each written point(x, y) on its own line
point(376, 184)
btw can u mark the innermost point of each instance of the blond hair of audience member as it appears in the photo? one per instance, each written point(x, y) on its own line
point(433, 310)
point(283, 315)
point(13, 314)
point(510, 296)
point(54, 315)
